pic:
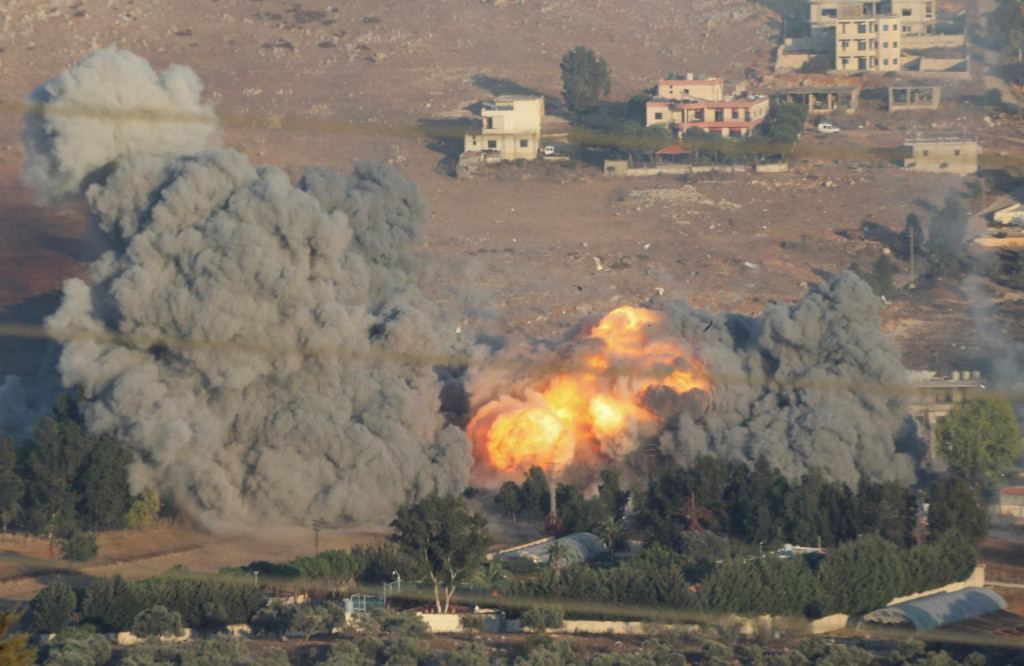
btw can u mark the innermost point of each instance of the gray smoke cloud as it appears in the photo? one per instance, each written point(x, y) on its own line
point(261, 347)
point(111, 104)
point(813, 384)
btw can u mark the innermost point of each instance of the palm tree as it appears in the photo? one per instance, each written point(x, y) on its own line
point(611, 531)
point(557, 551)
point(492, 577)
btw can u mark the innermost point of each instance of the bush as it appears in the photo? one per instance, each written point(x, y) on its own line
point(543, 618)
point(157, 621)
point(52, 607)
point(306, 621)
point(92, 650)
point(471, 622)
point(79, 548)
point(467, 654)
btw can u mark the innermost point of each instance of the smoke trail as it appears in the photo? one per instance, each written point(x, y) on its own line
point(815, 384)
point(267, 373)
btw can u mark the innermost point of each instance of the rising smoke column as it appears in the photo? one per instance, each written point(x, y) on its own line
point(814, 384)
point(261, 347)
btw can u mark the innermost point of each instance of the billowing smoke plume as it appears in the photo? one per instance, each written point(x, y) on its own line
point(110, 105)
point(815, 384)
point(261, 347)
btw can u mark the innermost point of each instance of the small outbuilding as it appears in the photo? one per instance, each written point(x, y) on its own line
point(938, 610)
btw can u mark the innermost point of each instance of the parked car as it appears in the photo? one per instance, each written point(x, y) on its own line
point(549, 150)
point(827, 128)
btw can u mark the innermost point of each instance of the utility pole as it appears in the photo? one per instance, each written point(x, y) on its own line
point(318, 524)
point(913, 273)
point(551, 488)
point(49, 532)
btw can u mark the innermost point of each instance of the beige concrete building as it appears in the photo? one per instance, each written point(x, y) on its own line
point(941, 152)
point(868, 44)
point(1011, 502)
point(914, 97)
point(509, 125)
point(821, 100)
point(731, 118)
point(934, 397)
point(689, 86)
point(917, 17)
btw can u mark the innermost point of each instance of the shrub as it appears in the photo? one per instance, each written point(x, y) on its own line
point(542, 618)
point(471, 622)
point(79, 548)
point(306, 621)
point(467, 654)
point(52, 607)
point(92, 650)
point(157, 621)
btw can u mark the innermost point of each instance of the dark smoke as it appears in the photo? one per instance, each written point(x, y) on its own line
point(273, 355)
point(815, 384)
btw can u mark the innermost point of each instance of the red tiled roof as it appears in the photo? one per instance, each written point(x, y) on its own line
point(674, 149)
point(1012, 490)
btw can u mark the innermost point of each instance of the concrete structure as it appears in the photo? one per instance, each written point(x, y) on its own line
point(821, 99)
point(917, 17)
point(914, 97)
point(579, 547)
point(868, 44)
point(689, 86)
point(934, 397)
point(510, 126)
point(1011, 502)
point(941, 152)
point(731, 118)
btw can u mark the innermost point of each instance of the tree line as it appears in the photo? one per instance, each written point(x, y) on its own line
point(62, 480)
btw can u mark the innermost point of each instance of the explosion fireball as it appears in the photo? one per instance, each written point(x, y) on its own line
point(593, 404)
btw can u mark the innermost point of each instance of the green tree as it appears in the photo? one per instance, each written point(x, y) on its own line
point(585, 78)
point(508, 498)
point(14, 650)
point(53, 606)
point(861, 575)
point(79, 547)
point(306, 621)
point(952, 505)
point(12, 487)
point(111, 603)
point(534, 494)
point(91, 650)
point(444, 537)
point(144, 509)
point(557, 551)
point(102, 486)
point(979, 439)
point(157, 621)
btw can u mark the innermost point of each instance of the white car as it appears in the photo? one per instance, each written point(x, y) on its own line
point(827, 128)
point(549, 150)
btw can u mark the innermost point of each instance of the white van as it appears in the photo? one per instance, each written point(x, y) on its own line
point(826, 127)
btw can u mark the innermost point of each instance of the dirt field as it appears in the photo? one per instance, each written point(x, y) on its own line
point(540, 246)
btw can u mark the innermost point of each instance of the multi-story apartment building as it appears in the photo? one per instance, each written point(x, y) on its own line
point(917, 17)
point(868, 44)
point(510, 126)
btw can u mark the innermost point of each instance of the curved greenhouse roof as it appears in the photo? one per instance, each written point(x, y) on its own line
point(580, 547)
point(939, 610)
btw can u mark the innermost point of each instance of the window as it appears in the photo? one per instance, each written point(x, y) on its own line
point(492, 143)
point(885, 27)
point(925, 153)
point(828, 13)
point(862, 28)
point(524, 143)
point(885, 45)
point(895, 61)
point(885, 61)
point(846, 62)
point(907, 12)
point(846, 44)
point(686, 91)
point(895, 44)
point(862, 45)
point(956, 152)
point(658, 115)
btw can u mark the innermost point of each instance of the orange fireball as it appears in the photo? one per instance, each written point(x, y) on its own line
point(592, 406)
